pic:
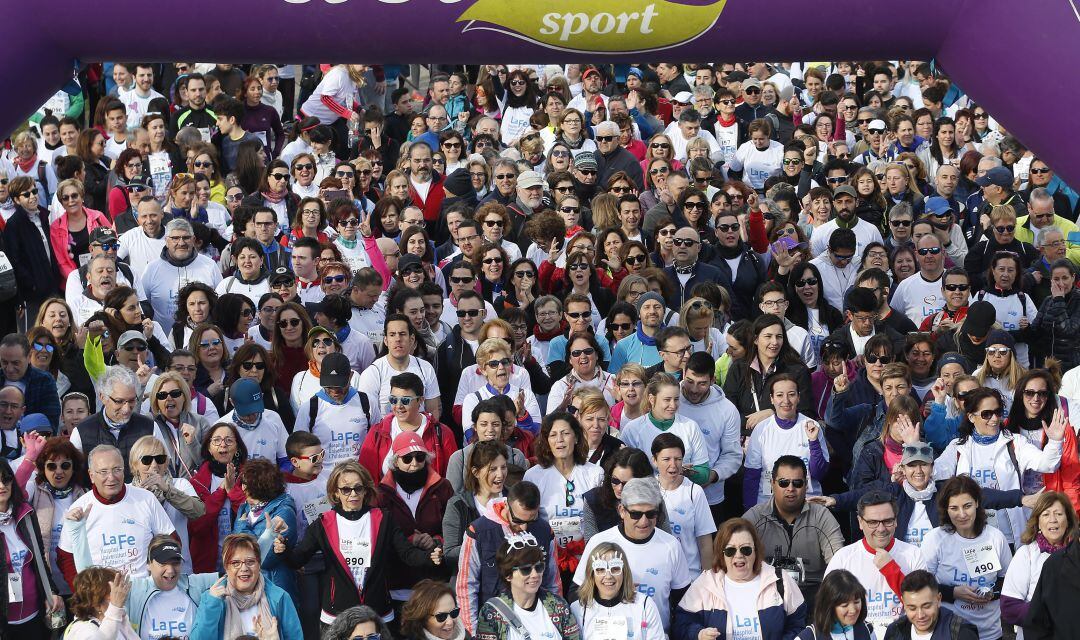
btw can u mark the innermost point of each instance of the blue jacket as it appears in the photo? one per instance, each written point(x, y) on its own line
point(40, 395)
point(861, 631)
point(274, 568)
point(210, 620)
point(703, 272)
point(938, 429)
point(705, 605)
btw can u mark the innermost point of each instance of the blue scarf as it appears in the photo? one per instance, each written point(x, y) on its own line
point(842, 629)
point(984, 440)
point(785, 424)
point(644, 339)
point(343, 333)
point(243, 425)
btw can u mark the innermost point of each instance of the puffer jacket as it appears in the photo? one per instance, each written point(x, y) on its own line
point(438, 439)
point(705, 605)
point(427, 518)
point(1058, 322)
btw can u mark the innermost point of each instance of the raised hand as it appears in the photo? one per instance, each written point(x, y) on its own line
point(33, 443)
point(909, 432)
point(230, 477)
point(840, 383)
point(187, 432)
point(553, 250)
point(812, 430)
point(148, 328)
point(365, 224)
point(276, 524)
point(882, 558)
point(119, 587)
point(1056, 429)
point(76, 514)
point(218, 588)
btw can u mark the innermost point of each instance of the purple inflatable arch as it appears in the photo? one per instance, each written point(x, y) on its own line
point(1018, 58)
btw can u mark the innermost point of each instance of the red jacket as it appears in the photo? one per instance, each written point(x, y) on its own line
point(433, 207)
point(203, 532)
point(1067, 478)
point(427, 519)
point(438, 440)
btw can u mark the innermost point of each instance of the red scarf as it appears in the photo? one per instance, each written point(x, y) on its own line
point(558, 331)
point(26, 165)
point(276, 198)
point(724, 122)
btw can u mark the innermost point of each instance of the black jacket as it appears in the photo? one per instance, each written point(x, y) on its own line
point(743, 284)
point(1058, 326)
point(949, 627)
point(702, 272)
point(743, 383)
point(337, 589)
point(97, 186)
point(453, 357)
point(37, 273)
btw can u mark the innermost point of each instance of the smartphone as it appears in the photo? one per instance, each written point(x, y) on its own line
point(335, 194)
point(786, 242)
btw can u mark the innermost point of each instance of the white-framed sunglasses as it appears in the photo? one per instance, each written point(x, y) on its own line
point(613, 566)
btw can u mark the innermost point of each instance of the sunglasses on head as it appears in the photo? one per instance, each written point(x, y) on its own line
point(913, 450)
point(746, 551)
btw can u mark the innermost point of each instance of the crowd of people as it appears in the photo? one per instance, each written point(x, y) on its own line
point(740, 351)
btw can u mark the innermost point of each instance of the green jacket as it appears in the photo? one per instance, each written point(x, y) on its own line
point(494, 626)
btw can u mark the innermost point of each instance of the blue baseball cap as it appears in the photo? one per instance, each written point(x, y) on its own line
point(35, 422)
point(247, 397)
point(999, 176)
point(938, 206)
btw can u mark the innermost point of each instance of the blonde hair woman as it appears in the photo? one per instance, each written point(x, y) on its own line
point(149, 464)
point(169, 404)
point(630, 384)
point(696, 316)
point(608, 598)
point(605, 211)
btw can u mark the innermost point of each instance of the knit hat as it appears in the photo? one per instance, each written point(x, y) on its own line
point(641, 491)
point(458, 183)
point(585, 160)
point(980, 317)
point(953, 358)
point(645, 297)
point(999, 336)
point(634, 71)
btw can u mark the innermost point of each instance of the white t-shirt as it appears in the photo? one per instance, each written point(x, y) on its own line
point(119, 534)
point(1023, 574)
point(560, 504)
point(743, 622)
point(640, 433)
point(340, 427)
point(658, 565)
point(253, 291)
point(688, 511)
point(769, 442)
point(757, 166)
point(919, 524)
point(834, 281)
point(883, 604)
point(865, 233)
point(336, 84)
point(975, 563)
point(266, 440)
point(310, 500)
point(168, 613)
point(537, 622)
point(18, 555)
point(305, 385)
point(137, 106)
point(162, 283)
point(356, 545)
point(918, 298)
point(1010, 309)
point(728, 139)
point(139, 250)
point(637, 620)
point(375, 381)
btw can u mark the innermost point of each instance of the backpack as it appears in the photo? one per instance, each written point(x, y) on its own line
point(313, 409)
point(8, 285)
point(1023, 300)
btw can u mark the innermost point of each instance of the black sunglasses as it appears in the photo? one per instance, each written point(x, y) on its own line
point(160, 459)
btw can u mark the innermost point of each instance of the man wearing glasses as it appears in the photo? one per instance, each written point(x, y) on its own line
point(879, 560)
point(875, 142)
point(611, 157)
point(687, 271)
point(838, 266)
point(118, 423)
point(117, 520)
point(38, 391)
point(178, 265)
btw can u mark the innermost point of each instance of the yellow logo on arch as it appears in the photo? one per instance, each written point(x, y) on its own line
point(595, 26)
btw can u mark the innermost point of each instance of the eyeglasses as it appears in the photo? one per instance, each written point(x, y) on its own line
point(1006, 228)
point(468, 313)
point(415, 456)
point(402, 400)
point(806, 282)
point(528, 569)
point(784, 483)
point(109, 246)
point(282, 176)
point(998, 351)
point(621, 326)
point(872, 358)
point(175, 394)
point(774, 304)
point(1042, 394)
point(502, 362)
point(48, 348)
point(353, 490)
point(587, 351)
point(442, 615)
point(370, 636)
point(288, 322)
point(612, 566)
point(496, 260)
point(682, 353)
point(148, 460)
point(206, 344)
point(70, 197)
point(888, 523)
point(929, 251)
point(792, 161)
point(578, 315)
point(64, 466)
point(220, 441)
point(651, 514)
point(900, 223)
point(105, 473)
point(196, 163)
point(746, 551)
point(250, 563)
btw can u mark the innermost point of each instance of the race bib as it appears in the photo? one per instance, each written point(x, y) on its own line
point(357, 554)
point(15, 587)
point(566, 529)
point(611, 628)
point(316, 508)
point(981, 560)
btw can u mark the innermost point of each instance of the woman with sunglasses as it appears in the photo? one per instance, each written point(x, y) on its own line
point(494, 359)
point(630, 404)
point(128, 166)
point(361, 542)
point(609, 599)
point(563, 474)
point(169, 401)
point(452, 144)
point(968, 557)
point(44, 356)
point(997, 458)
point(1001, 369)
point(659, 148)
point(289, 343)
point(59, 482)
point(998, 236)
point(432, 614)
point(656, 171)
point(150, 470)
point(274, 192)
point(522, 603)
point(348, 174)
point(211, 358)
point(741, 586)
point(203, 159)
point(620, 322)
point(223, 453)
point(1036, 402)
point(599, 511)
point(781, 257)
point(358, 622)
point(56, 316)
point(69, 234)
point(320, 343)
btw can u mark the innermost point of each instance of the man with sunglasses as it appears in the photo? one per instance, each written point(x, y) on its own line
point(655, 556)
point(339, 415)
point(457, 352)
point(752, 108)
point(800, 530)
point(687, 271)
point(921, 295)
point(612, 158)
point(875, 141)
point(838, 266)
point(478, 577)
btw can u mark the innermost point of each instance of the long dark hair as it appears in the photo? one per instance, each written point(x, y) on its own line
point(1017, 412)
point(957, 486)
point(628, 457)
point(837, 588)
point(7, 476)
point(787, 355)
point(971, 405)
point(797, 312)
point(531, 97)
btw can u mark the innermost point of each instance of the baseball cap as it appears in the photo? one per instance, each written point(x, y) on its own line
point(999, 176)
point(281, 275)
point(583, 160)
point(35, 422)
point(786, 93)
point(166, 552)
point(751, 82)
point(335, 371)
point(247, 397)
point(408, 442)
point(591, 71)
point(130, 336)
point(408, 260)
point(938, 206)
point(980, 317)
point(917, 452)
point(138, 182)
point(845, 190)
point(877, 125)
point(102, 235)
point(529, 179)
point(683, 97)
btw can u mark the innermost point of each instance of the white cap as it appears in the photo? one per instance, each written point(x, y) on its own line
point(877, 124)
point(684, 97)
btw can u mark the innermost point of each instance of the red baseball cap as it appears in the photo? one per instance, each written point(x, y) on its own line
point(408, 442)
